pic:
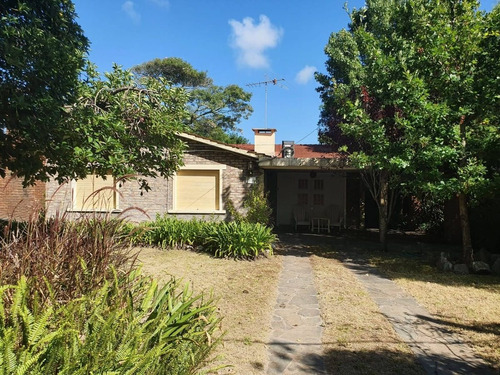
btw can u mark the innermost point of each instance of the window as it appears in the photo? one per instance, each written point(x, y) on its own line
point(198, 190)
point(303, 183)
point(318, 185)
point(95, 194)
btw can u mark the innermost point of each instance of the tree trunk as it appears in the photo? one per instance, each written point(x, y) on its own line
point(383, 209)
point(467, 251)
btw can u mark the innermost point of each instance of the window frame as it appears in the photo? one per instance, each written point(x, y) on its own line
point(219, 168)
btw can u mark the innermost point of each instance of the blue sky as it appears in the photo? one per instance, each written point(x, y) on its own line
point(236, 41)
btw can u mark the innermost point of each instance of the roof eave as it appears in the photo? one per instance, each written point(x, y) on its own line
point(304, 163)
point(220, 145)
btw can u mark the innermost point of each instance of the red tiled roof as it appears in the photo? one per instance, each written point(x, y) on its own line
point(301, 151)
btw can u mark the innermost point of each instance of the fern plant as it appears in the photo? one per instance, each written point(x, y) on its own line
point(27, 336)
point(128, 326)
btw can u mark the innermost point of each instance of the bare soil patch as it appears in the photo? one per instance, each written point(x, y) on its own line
point(246, 293)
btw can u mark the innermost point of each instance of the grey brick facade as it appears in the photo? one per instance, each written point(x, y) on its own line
point(141, 206)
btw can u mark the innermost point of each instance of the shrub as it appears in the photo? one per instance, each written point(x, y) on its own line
point(257, 205)
point(64, 259)
point(234, 239)
point(127, 326)
point(258, 209)
point(168, 232)
point(238, 240)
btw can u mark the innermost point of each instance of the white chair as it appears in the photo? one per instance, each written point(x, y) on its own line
point(300, 216)
point(320, 220)
point(336, 216)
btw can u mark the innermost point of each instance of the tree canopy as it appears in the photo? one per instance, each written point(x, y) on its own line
point(59, 119)
point(405, 91)
point(122, 128)
point(215, 111)
point(42, 51)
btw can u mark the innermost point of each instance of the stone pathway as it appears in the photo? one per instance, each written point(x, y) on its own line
point(295, 344)
point(437, 349)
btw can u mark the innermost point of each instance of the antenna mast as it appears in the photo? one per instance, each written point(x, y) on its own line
point(274, 82)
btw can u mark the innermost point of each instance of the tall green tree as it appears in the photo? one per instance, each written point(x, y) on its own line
point(122, 128)
point(42, 51)
point(215, 111)
point(59, 119)
point(402, 86)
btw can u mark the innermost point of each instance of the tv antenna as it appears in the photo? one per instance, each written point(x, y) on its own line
point(274, 82)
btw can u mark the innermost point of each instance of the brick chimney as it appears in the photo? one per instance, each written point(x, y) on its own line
point(265, 139)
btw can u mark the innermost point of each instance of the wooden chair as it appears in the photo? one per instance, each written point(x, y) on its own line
point(320, 220)
point(336, 216)
point(300, 216)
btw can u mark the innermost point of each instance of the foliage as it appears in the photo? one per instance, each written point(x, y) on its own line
point(423, 214)
point(72, 302)
point(124, 129)
point(402, 83)
point(128, 326)
point(234, 239)
point(238, 240)
point(63, 259)
point(484, 224)
point(257, 205)
point(169, 232)
point(10, 226)
point(61, 120)
point(42, 51)
point(214, 110)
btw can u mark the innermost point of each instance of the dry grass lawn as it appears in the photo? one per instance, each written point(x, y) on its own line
point(246, 292)
point(357, 337)
point(466, 304)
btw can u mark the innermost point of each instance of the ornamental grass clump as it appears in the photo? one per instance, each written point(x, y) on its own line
point(72, 302)
point(64, 259)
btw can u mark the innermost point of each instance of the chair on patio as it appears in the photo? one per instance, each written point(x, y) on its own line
point(300, 216)
point(336, 216)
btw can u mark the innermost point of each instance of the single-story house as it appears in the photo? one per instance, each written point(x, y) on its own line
point(303, 182)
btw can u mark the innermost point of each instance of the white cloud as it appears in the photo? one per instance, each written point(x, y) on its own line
point(305, 75)
point(129, 9)
point(252, 40)
point(161, 3)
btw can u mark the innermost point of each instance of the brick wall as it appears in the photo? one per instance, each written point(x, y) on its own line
point(20, 203)
point(234, 177)
point(159, 200)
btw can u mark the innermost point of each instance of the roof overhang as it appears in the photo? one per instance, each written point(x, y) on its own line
point(219, 145)
point(304, 163)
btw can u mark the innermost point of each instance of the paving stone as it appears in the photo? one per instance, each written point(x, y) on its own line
point(295, 343)
point(438, 350)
